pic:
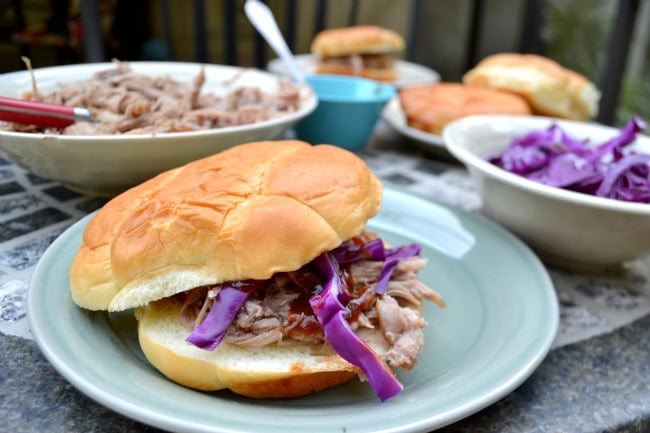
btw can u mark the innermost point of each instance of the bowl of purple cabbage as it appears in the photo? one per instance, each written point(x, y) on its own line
point(577, 193)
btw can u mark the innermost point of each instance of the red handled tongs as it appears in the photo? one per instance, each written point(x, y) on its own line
point(41, 113)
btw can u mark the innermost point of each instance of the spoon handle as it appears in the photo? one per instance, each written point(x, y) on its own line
point(40, 113)
point(262, 19)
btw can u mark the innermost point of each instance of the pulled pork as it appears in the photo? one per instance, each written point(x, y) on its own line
point(126, 102)
point(280, 312)
point(359, 61)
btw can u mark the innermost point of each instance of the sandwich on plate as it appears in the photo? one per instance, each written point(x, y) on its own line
point(252, 270)
point(364, 51)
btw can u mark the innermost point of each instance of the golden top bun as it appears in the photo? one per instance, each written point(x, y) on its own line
point(431, 107)
point(245, 213)
point(346, 41)
point(271, 371)
point(549, 88)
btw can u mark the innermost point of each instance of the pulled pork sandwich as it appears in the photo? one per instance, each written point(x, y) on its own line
point(252, 270)
point(364, 51)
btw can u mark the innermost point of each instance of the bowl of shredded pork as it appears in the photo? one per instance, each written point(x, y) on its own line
point(147, 117)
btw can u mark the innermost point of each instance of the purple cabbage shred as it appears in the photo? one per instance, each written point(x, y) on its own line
point(329, 306)
point(229, 300)
point(610, 169)
point(350, 252)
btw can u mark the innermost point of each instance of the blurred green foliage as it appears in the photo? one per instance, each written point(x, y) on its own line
point(634, 99)
point(576, 35)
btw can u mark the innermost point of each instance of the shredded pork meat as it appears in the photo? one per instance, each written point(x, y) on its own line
point(280, 313)
point(126, 102)
point(360, 61)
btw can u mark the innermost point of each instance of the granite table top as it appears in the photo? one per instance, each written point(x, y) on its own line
point(595, 379)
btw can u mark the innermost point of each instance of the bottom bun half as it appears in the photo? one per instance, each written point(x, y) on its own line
point(387, 74)
point(262, 372)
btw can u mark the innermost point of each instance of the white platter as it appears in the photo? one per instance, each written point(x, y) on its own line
point(408, 72)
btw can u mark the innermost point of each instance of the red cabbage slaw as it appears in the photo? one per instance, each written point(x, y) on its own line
point(329, 306)
point(610, 169)
point(229, 300)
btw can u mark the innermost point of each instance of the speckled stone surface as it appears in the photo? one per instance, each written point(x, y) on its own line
point(596, 386)
point(596, 379)
point(35, 398)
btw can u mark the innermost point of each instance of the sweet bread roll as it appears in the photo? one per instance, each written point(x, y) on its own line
point(345, 41)
point(277, 371)
point(549, 88)
point(431, 107)
point(232, 216)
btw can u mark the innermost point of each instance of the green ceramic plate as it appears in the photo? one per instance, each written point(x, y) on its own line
point(500, 322)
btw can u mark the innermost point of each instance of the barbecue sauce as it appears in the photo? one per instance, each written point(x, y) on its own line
point(308, 283)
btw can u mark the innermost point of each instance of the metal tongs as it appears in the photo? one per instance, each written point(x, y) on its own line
point(41, 113)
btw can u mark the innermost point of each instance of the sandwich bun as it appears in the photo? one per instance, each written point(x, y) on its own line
point(431, 107)
point(346, 41)
point(227, 217)
point(549, 88)
point(277, 371)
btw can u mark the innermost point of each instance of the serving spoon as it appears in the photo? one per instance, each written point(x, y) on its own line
point(41, 113)
point(264, 22)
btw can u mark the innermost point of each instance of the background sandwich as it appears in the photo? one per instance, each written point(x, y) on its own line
point(252, 270)
point(364, 51)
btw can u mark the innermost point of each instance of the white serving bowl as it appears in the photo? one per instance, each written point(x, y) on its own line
point(109, 164)
point(567, 229)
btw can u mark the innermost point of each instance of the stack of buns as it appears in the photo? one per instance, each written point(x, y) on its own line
point(506, 83)
point(549, 88)
point(364, 51)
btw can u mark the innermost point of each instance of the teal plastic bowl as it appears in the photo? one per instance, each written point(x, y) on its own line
point(347, 112)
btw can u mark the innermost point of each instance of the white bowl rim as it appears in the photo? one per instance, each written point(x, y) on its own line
point(308, 99)
point(471, 159)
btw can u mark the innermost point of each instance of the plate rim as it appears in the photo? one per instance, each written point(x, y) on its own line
point(432, 76)
point(167, 421)
point(394, 116)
